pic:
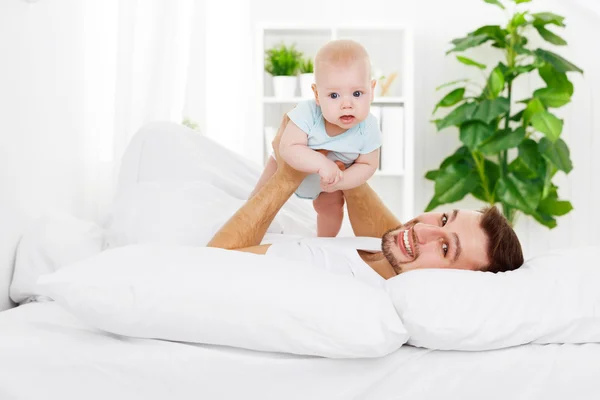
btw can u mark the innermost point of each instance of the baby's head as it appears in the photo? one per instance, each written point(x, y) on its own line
point(343, 86)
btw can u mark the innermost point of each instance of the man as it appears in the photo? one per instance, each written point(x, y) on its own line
point(461, 239)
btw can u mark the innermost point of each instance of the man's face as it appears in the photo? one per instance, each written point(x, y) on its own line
point(437, 240)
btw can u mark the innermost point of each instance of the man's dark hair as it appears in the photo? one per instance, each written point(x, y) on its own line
point(503, 249)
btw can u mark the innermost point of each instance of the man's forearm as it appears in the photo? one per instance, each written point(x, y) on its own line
point(248, 225)
point(368, 215)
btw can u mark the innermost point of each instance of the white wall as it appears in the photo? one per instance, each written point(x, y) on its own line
point(435, 23)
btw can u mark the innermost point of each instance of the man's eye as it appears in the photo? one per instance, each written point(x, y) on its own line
point(445, 249)
point(444, 219)
point(358, 93)
point(334, 95)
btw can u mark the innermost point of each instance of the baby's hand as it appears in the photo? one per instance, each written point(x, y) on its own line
point(330, 173)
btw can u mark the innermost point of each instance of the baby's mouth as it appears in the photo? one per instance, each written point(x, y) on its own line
point(347, 118)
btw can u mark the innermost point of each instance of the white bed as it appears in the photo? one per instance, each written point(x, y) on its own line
point(46, 353)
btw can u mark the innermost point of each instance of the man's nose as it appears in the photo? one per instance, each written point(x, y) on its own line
point(426, 233)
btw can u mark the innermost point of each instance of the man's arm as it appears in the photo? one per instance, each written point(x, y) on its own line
point(247, 227)
point(368, 215)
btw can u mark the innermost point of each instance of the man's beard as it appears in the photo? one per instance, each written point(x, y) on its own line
point(389, 240)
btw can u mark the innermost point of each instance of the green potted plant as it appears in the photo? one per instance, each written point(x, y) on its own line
point(511, 148)
point(307, 77)
point(283, 62)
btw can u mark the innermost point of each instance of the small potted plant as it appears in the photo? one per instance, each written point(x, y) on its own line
point(307, 77)
point(283, 62)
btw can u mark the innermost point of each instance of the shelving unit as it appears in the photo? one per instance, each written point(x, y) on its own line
point(391, 50)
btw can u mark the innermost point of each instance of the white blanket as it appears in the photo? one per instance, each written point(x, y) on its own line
point(47, 354)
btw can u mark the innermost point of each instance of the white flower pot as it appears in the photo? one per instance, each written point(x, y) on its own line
point(306, 81)
point(285, 86)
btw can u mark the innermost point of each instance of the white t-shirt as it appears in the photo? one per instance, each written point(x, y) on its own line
point(338, 255)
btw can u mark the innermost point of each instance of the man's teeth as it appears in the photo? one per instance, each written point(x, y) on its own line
point(407, 243)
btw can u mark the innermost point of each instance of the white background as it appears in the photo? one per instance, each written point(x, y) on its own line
point(46, 96)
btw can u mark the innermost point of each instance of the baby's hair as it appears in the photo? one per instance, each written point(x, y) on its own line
point(341, 52)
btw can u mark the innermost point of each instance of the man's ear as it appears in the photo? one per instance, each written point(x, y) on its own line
point(316, 92)
point(373, 84)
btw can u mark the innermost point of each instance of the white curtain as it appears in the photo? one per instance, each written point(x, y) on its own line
point(136, 55)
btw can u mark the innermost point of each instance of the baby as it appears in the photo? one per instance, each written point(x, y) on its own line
point(338, 123)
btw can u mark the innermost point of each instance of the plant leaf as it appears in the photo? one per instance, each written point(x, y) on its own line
point(432, 174)
point(521, 1)
point(545, 18)
point(518, 116)
point(462, 155)
point(451, 98)
point(524, 195)
point(529, 164)
point(492, 174)
point(502, 140)
point(495, 83)
point(472, 133)
point(495, 2)
point(548, 124)
point(551, 97)
point(559, 63)
point(534, 106)
point(556, 80)
point(544, 219)
point(454, 182)
point(488, 110)
point(550, 36)
point(451, 83)
point(552, 206)
point(467, 42)
point(558, 153)
point(457, 116)
point(468, 61)
point(493, 32)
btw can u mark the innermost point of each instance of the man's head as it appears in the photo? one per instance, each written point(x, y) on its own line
point(343, 86)
point(462, 239)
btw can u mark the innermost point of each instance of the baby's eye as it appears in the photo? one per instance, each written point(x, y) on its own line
point(357, 93)
point(334, 95)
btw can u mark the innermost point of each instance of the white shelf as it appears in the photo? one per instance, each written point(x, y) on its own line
point(294, 100)
point(387, 173)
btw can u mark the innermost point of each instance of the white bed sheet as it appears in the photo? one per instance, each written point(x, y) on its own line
point(45, 353)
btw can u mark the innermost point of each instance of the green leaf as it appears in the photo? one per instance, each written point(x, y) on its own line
point(467, 42)
point(518, 116)
point(454, 182)
point(529, 164)
point(558, 153)
point(544, 219)
point(462, 155)
point(433, 204)
point(556, 80)
point(523, 195)
point(518, 19)
point(472, 133)
point(559, 63)
point(493, 32)
point(451, 83)
point(495, 2)
point(521, 1)
point(534, 106)
point(502, 140)
point(548, 124)
point(495, 83)
point(468, 61)
point(551, 170)
point(457, 116)
point(551, 97)
point(451, 98)
point(545, 18)
point(488, 110)
point(550, 36)
point(552, 206)
point(431, 175)
point(492, 174)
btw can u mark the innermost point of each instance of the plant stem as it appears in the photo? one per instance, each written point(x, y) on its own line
point(481, 170)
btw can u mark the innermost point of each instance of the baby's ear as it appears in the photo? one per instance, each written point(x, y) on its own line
point(373, 84)
point(316, 92)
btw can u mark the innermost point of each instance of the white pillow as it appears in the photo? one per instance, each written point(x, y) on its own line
point(52, 241)
point(182, 213)
point(554, 298)
point(216, 296)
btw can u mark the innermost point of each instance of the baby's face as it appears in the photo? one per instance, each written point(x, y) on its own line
point(345, 93)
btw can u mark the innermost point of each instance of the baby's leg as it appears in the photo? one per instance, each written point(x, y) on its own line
point(330, 213)
point(267, 173)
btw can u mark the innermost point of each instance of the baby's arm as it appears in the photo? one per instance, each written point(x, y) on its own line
point(358, 173)
point(295, 151)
